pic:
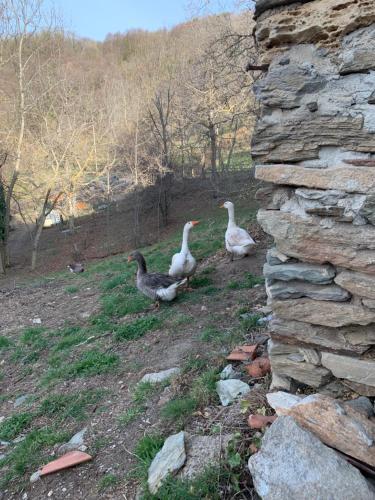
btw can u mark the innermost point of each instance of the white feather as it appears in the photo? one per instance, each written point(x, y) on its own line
point(169, 293)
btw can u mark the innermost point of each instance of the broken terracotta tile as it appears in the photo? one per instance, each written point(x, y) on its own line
point(243, 353)
point(259, 368)
point(253, 448)
point(260, 421)
point(68, 460)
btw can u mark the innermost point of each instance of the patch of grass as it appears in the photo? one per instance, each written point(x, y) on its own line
point(137, 328)
point(123, 303)
point(145, 451)
point(250, 323)
point(204, 486)
point(71, 336)
point(74, 405)
point(194, 363)
point(34, 337)
point(249, 281)
point(129, 415)
point(143, 391)
point(91, 363)
point(72, 289)
point(179, 409)
point(203, 388)
point(114, 282)
point(29, 454)
point(213, 334)
point(13, 426)
point(201, 280)
point(5, 343)
point(108, 481)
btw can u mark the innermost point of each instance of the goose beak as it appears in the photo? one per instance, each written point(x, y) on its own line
point(195, 222)
point(222, 205)
point(130, 258)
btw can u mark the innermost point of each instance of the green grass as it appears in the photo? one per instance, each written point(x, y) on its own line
point(108, 481)
point(213, 334)
point(179, 409)
point(129, 415)
point(121, 304)
point(145, 451)
point(13, 426)
point(91, 363)
point(29, 454)
point(5, 343)
point(249, 281)
point(204, 486)
point(70, 406)
point(250, 323)
point(114, 282)
point(137, 328)
point(72, 289)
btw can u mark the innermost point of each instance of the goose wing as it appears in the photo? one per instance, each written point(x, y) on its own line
point(158, 280)
point(239, 237)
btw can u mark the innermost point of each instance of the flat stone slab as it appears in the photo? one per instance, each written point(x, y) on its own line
point(281, 290)
point(344, 245)
point(357, 283)
point(343, 178)
point(360, 371)
point(158, 377)
point(319, 312)
point(229, 390)
point(294, 464)
point(354, 339)
point(167, 461)
point(299, 271)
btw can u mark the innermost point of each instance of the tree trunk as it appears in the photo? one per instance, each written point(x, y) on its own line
point(39, 229)
point(2, 228)
point(213, 145)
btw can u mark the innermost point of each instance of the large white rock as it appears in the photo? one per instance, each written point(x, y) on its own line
point(229, 390)
point(168, 460)
point(293, 464)
point(158, 377)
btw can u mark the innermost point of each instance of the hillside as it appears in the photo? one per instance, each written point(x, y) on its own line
point(82, 365)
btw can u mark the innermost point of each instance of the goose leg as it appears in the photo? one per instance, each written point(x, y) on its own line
point(188, 288)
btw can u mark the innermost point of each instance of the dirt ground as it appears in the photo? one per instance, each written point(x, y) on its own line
point(56, 302)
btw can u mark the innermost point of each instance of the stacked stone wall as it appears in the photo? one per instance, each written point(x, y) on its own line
point(314, 147)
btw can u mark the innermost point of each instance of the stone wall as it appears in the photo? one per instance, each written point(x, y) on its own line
point(314, 146)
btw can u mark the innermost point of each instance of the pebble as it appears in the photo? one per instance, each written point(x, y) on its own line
point(36, 321)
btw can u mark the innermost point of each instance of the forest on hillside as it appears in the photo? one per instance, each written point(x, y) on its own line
point(80, 117)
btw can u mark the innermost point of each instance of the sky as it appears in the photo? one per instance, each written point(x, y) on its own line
point(96, 18)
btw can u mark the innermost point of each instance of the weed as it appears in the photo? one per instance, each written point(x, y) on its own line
point(203, 388)
point(250, 322)
point(212, 334)
point(249, 281)
point(13, 426)
point(34, 337)
point(145, 451)
point(71, 289)
point(137, 328)
point(108, 481)
point(200, 281)
point(194, 363)
point(122, 303)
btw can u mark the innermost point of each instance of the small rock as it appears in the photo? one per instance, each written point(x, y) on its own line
point(20, 400)
point(282, 382)
point(156, 378)
point(34, 477)
point(312, 106)
point(362, 405)
point(36, 321)
point(168, 460)
point(50, 493)
point(260, 421)
point(229, 373)
point(24, 496)
point(229, 390)
point(75, 443)
point(2, 456)
point(283, 400)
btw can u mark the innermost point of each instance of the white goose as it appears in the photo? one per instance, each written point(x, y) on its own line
point(238, 242)
point(183, 264)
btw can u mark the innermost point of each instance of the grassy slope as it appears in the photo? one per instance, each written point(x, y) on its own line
point(80, 352)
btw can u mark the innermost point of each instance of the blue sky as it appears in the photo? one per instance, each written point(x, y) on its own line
point(95, 18)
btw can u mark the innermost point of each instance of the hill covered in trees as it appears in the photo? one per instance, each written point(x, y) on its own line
point(139, 108)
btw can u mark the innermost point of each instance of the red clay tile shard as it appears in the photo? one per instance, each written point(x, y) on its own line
point(260, 421)
point(243, 353)
point(68, 460)
point(259, 368)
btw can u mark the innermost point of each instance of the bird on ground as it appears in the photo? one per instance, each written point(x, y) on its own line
point(76, 267)
point(156, 286)
point(238, 242)
point(183, 264)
